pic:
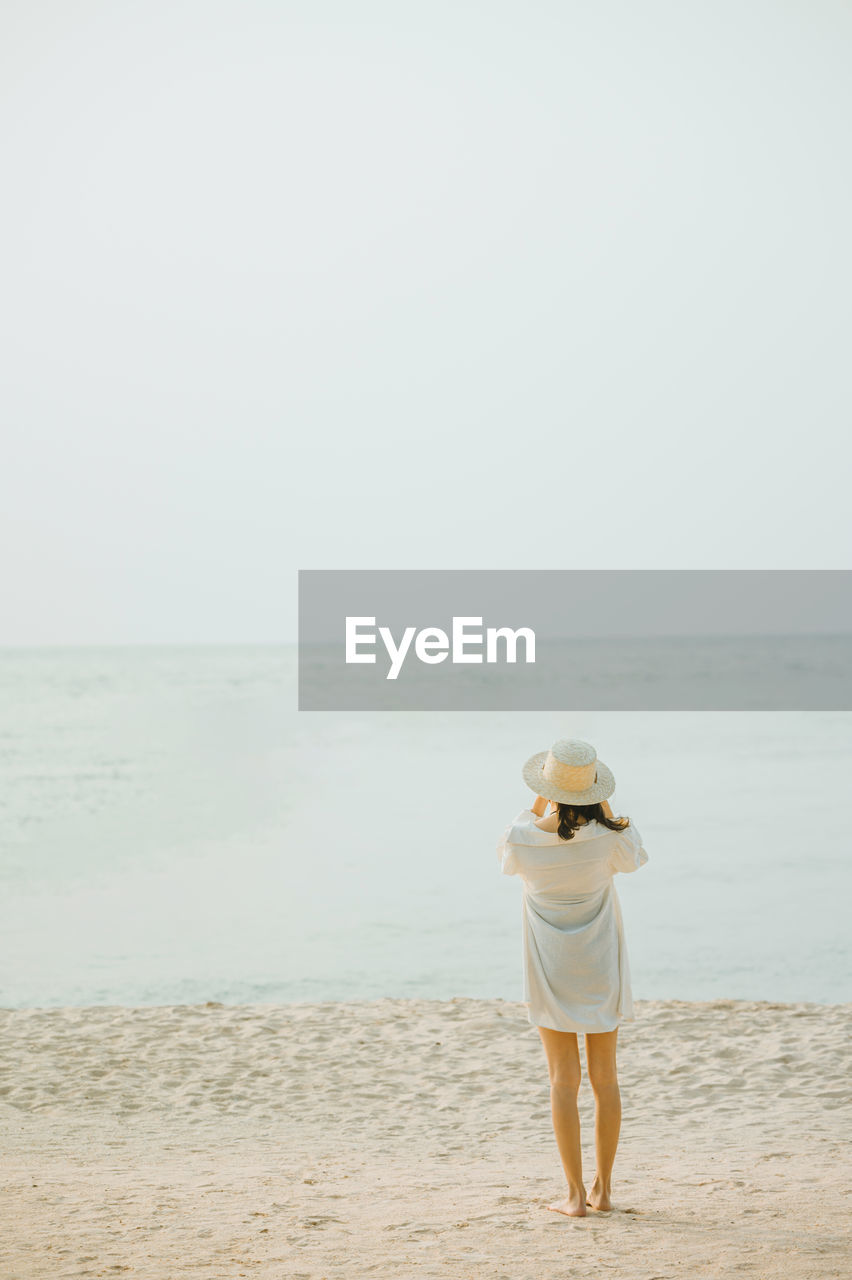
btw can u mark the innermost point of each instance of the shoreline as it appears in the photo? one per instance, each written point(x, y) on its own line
point(402, 1000)
point(414, 1136)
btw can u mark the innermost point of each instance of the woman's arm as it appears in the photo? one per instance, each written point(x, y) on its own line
point(606, 808)
point(539, 807)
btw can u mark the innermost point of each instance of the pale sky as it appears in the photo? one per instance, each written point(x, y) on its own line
point(413, 285)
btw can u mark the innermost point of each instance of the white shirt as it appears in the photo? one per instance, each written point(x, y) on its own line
point(576, 968)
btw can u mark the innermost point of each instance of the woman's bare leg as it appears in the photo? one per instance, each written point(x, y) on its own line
point(563, 1064)
point(600, 1062)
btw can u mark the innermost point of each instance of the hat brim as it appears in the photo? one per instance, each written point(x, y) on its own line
point(602, 789)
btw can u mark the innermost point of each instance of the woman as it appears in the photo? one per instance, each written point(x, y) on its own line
point(576, 973)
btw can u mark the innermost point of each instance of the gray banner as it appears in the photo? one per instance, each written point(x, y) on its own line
point(385, 640)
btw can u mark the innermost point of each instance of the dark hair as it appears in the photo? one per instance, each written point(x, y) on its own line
point(570, 815)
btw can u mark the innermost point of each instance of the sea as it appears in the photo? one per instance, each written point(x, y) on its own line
point(173, 830)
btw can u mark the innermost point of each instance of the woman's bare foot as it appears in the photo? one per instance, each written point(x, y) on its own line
point(598, 1196)
point(574, 1204)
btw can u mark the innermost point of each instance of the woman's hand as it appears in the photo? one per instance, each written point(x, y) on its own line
point(606, 808)
point(539, 807)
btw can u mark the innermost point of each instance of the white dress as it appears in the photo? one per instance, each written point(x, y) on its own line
point(576, 970)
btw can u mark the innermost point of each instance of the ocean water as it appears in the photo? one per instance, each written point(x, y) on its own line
point(173, 830)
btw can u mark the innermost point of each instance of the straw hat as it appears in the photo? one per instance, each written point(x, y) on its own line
point(570, 773)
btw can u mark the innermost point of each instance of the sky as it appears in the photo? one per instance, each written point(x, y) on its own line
point(610, 602)
point(413, 286)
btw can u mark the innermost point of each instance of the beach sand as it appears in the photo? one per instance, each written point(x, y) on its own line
point(398, 1138)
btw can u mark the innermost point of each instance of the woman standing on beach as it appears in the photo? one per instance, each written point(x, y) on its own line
point(576, 972)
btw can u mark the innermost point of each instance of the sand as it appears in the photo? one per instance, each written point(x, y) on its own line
point(398, 1138)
